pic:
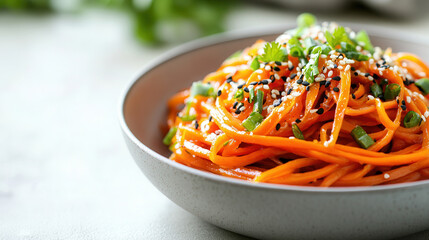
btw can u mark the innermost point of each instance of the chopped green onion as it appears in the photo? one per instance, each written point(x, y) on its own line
point(251, 95)
point(239, 95)
point(252, 121)
point(384, 82)
point(226, 143)
point(295, 48)
point(234, 55)
point(273, 51)
point(297, 132)
point(350, 51)
point(412, 119)
point(361, 137)
point(257, 107)
point(309, 44)
point(171, 133)
point(423, 84)
point(188, 118)
point(376, 90)
point(362, 38)
point(311, 70)
point(255, 64)
point(306, 20)
point(202, 89)
point(392, 91)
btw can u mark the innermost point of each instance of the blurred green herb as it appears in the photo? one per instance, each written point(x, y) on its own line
point(156, 21)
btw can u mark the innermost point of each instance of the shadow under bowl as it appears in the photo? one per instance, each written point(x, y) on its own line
point(265, 211)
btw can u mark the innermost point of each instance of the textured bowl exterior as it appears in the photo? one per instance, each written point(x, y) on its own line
point(265, 211)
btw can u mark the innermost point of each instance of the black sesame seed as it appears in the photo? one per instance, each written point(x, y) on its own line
point(253, 83)
point(235, 105)
point(229, 80)
point(299, 81)
point(210, 118)
point(320, 111)
point(265, 81)
point(246, 89)
point(353, 68)
point(277, 102)
point(366, 74)
point(335, 65)
point(293, 75)
point(277, 126)
point(336, 78)
point(377, 64)
point(397, 101)
point(378, 172)
point(272, 78)
point(237, 111)
point(289, 91)
point(375, 76)
point(196, 124)
point(325, 96)
point(278, 63)
point(307, 88)
point(284, 78)
point(219, 92)
point(353, 85)
point(322, 82)
point(355, 73)
point(404, 107)
point(291, 68)
point(305, 83)
point(297, 120)
point(327, 83)
point(240, 86)
point(403, 102)
point(276, 69)
point(353, 96)
point(336, 89)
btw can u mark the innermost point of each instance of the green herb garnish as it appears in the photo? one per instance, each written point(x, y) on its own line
point(255, 64)
point(391, 91)
point(297, 132)
point(412, 119)
point(169, 136)
point(254, 119)
point(361, 137)
point(423, 84)
point(273, 52)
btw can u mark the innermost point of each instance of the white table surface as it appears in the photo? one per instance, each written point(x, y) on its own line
point(65, 172)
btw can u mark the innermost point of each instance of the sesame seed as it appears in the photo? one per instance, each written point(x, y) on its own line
point(278, 63)
point(347, 68)
point(408, 99)
point(277, 126)
point(283, 78)
point(229, 80)
point(305, 83)
point(253, 83)
point(336, 89)
point(289, 91)
point(297, 120)
point(276, 76)
point(259, 71)
point(404, 107)
point(196, 124)
point(299, 81)
point(370, 78)
point(426, 114)
point(330, 73)
point(273, 95)
point(327, 83)
point(386, 176)
point(291, 67)
point(275, 91)
point(246, 89)
point(265, 81)
point(268, 67)
point(370, 97)
point(219, 92)
point(403, 102)
point(320, 111)
point(336, 78)
point(307, 88)
point(353, 96)
point(242, 108)
point(292, 76)
point(265, 87)
point(277, 102)
point(240, 86)
point(335, 65)
point(276, 69)
point(340, 67)
point(210, 118)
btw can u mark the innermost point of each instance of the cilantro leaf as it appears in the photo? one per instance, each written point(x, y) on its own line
point(339, 35)
point(363, 39)
point(273, 52)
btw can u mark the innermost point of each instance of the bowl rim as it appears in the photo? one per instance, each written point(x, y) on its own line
point(229, 36)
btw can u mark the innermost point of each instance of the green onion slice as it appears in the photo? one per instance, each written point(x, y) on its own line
point(257, 107)
point(361, 137)
point(297, 132)
point(188, 117)
point(412, 119)
point(202, 89)
point(171, 133)
point(255, 64)
point(423, 84)
point(376, 90)
point(239, 95)
point(252, 95)
point(254, 119)
point(392, 91)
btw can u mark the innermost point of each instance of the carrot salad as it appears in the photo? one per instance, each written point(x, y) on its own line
point(319, 106)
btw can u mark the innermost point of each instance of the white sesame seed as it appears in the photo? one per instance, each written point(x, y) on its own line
point(347, 68)
point(342, 62)
point(371, 61)
point(370, 97)
point(341, 57)
point(408, 99)
point(289, 64)
point(325, 70)
point(295, 94)
point(358, 48)
point(267, 68)
point(275, 91)
point(298, 69)
point(265, 87)
point(386, 176)
point(330, 73)
point(326, 144)
point(242, 108)
point(350, 61)
point(259, 71)
point(423, 118)
point(276, 76)
point(370, 78)
point(323, 56)
point(284, 94)
point(313, 110)
point(340, 67)
point(426, 114)
point(259, 77)
point(273, 95)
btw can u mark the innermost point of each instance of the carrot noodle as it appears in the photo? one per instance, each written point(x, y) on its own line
point(326, 110)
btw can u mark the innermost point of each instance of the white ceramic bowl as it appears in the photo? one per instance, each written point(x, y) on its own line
point(265, 211)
